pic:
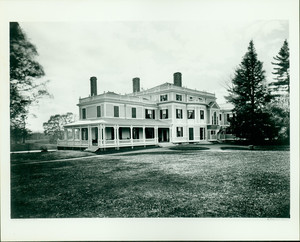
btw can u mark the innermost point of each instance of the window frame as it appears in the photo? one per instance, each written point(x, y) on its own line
point(179, 131)
point(193, 114)
point(202, 116)
point(179, 99)
point(180, 112)
point(83, 113)
point(133, 114)
point(116, 111)
point(163, 97)
point(98, 111)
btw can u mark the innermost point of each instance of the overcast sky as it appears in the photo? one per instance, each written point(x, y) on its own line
point(205, 52)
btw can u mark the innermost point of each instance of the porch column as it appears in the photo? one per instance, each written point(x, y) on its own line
point(144, 134)
point(156, 135)
point(104, 135)
point(131, 135)
point(99, 135)
point(89, 136)
point(170, 134)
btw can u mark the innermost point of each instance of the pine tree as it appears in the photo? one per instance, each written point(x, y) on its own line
point(249, 95)
point(282, 69)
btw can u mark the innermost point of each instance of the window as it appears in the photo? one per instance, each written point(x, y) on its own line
point(76, 133)
point(116, 111)
point(69, 133)
point(133, 112)
point(179, 113)
point(149, 133)
point(149, 113)
point(178, 97)
point(98, 111)
point(191, 114)
point(200, 99)
point(84, 134)
point(179, 131)
point(220, 117)
point(214, 119)
point(228, 117)
point(201, 114)
point(164, 114)
point(83, 113)
point(163, 98)
point(190, 98)
point(202, 133)
point(212, 132)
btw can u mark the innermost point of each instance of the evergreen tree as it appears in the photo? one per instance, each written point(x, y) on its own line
point(249, 95)
point(282, 69)
point(24, 87)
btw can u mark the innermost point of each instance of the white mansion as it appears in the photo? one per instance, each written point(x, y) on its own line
point(165, 113)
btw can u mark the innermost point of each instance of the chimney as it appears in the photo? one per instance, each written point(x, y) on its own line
point(136, 84)
point(177, 79)
point(93, 86)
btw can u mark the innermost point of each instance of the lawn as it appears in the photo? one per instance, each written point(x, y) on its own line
point(190, 183)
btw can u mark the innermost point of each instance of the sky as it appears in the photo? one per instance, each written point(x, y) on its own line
point(205, 52)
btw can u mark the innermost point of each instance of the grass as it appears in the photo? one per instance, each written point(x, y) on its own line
point(189, 183)
point(32, 145)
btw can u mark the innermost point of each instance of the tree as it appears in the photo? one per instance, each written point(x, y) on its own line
point(54, 128)
point(282, 69)
point(249, 95)
point(24, 73)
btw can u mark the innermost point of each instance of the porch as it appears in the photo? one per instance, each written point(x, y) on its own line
point(107, 135)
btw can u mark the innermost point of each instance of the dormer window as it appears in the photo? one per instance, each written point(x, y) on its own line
point(164, 97)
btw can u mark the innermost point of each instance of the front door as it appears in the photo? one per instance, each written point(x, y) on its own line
point(163, 135)
point(191, 133)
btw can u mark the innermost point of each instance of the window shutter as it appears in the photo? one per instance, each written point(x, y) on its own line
point(167, 113)
point(153, 111)
point(160, 111)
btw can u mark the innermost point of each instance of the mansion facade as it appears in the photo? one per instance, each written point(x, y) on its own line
point(168, 113)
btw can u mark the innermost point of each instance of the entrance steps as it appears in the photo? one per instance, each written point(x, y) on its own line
point(92, 149)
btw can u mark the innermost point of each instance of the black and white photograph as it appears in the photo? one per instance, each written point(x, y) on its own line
point(175, 125)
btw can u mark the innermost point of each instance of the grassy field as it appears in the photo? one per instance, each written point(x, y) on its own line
point(190, 183)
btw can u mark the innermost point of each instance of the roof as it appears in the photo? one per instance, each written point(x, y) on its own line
point(119, 121)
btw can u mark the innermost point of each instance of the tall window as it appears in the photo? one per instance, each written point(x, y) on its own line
point(164, 97)
point(84, 134)
point(179, 113)
point(116, 111)
point(133, 112)
point(149, 113)
point(83, 113)
point(191, 114)
point(179, 131)
point(220, 117)
point(98, 111)
point(164, 114)
point(214, 119)
point(201, 114)
point(178, 97)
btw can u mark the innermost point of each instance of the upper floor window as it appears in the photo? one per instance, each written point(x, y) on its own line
point(83, 113)
point(220, 117)
point(133, 112)
point(149, 113)
point(178, 97)
point(200, 99)
point(201, 114)
point(179, 131)
point(164, 114)
point(191, 98)
point(214, 119)
point(191, 114)
point(98, 111)
point(164, 97)
point(179, 113)
point(116, 111)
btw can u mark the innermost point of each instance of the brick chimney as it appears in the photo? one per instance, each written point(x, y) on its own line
point(177, 79)
point(93, 86)
point(136, 84)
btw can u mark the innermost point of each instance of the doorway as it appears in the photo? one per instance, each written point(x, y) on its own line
point(95, 136)
point(163, 135)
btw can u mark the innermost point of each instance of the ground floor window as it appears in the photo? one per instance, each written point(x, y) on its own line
point(149, 133)
point(69, 134)
point(76, 133)
point(179, 131)
point(84, 134)
point(109, 133)
point(202, 133)
point(212, 132)
point(136, 133)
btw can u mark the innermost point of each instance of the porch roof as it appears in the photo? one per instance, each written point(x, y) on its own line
point(120, 121)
